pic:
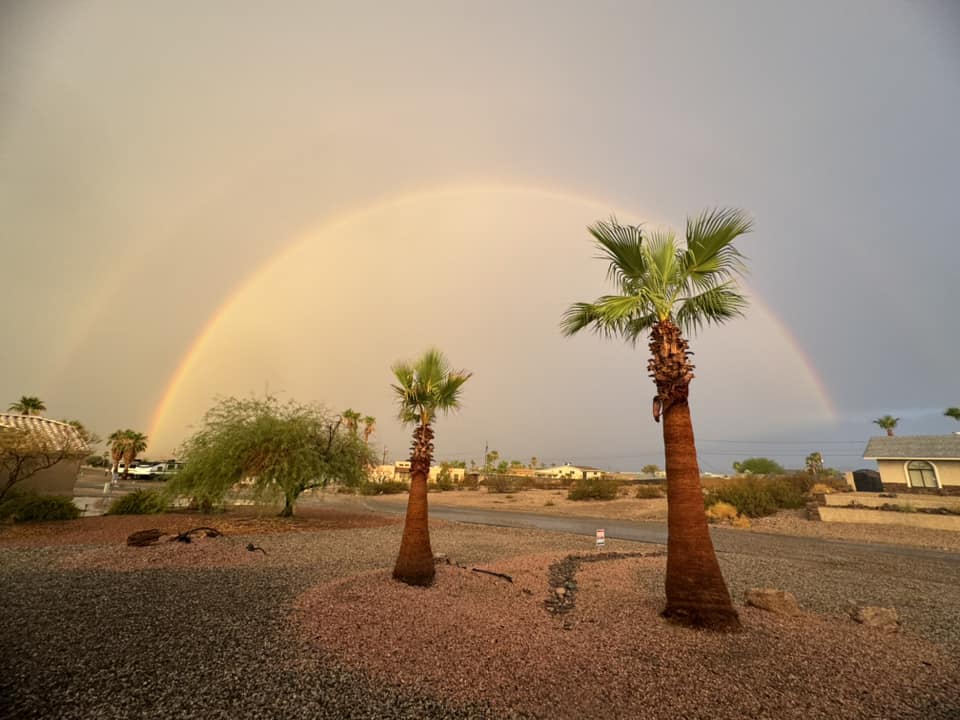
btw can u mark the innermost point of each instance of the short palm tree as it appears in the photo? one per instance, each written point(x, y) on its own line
point(953, 412)
point(668, 290)
point(28, 405)
point(424, 388)
point(369, 425)
point(888, 423)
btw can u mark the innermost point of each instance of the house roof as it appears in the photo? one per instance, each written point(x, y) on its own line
point(913, 447)
point(60, 435)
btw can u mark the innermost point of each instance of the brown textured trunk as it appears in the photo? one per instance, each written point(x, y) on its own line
point(889, 432)
point(414, 564)
point(696, 592)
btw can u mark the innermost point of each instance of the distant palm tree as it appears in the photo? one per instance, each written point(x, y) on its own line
point(115, 443)
point(953, 412)
point(814, 463)
point(668, 290)
point(424, 387)
point(351, 420)
point(888, 423)
point(28, 405)
point(369, 425)
point(534, 462)
point(125, 445)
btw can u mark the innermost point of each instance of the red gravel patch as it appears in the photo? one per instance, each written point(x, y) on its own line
point(114, 529)
point(474, 637)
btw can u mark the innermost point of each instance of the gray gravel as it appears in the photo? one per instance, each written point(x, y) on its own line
point(219, 642)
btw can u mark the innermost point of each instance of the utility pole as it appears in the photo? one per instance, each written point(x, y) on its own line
point(384, 455)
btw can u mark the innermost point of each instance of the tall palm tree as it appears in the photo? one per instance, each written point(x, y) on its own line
point(424, 387)
point(351, 420)
point(888, 423)
point(369, 425)
point(953, 412)
point(668, 290)
point(28, 405)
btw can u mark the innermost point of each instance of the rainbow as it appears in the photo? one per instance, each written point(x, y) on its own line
point(190, 357)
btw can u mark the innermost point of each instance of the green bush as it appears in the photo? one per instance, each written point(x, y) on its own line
point(757, 497)
point(648, 492)
point(139, 502)
point(37, 508)
point(594, 489)
point(384, 488)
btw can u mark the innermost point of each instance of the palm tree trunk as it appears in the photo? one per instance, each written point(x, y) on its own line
point(696, 592)
point(414, 564)
point(889, 432)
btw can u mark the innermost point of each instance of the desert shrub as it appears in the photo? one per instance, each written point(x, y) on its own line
point(721, 512)
point(821, 489)
point(740, 521)
point(594, 489)
point(28, 507)
point(384, 488)
point(139, 502)
point(757, 497)
point(648, 492)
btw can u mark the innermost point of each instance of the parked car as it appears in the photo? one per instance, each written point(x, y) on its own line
point(148, 470)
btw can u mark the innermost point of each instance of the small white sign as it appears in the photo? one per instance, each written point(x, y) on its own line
point(601, 538)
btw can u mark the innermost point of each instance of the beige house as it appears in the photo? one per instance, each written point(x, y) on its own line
point(400, 472)
point(39, 455)
point(572, 472)
point(917, 463)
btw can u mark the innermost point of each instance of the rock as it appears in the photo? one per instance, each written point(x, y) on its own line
point(439, 558)
point(771, 600)
point(882, 618)
point(560, 591)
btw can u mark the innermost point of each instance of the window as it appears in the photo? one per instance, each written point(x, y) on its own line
point(921, 474)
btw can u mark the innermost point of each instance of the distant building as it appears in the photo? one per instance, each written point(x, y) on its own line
point(917, 463)
point(571, 472)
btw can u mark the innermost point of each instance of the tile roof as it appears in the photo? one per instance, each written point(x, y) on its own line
point(913, 447)
point(60, 435)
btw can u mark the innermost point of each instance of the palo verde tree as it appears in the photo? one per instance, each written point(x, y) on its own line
point(424, 387)
point(667, 290)
point(28, 405)
point(888, 423)
point(282, 449)
point(952, 412)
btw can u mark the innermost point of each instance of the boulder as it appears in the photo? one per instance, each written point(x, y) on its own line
point(771, 600)
point(882, 618)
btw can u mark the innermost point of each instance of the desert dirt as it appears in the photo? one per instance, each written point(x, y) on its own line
point(545, 502)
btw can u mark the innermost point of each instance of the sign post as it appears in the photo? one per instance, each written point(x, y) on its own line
point(601, 538)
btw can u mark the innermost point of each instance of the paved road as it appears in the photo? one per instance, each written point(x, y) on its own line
point(725, 540)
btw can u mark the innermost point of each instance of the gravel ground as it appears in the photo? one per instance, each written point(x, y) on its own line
point(92, 632)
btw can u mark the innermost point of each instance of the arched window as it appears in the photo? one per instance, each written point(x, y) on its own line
point(921, 474)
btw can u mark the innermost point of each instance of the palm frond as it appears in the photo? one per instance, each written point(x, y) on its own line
point(710, 252)
point(715, 305)
point(620, 245)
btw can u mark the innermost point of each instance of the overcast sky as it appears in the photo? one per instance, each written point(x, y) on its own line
point(314, 190)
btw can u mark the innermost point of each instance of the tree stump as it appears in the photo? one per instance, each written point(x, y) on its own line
point(142, 538)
